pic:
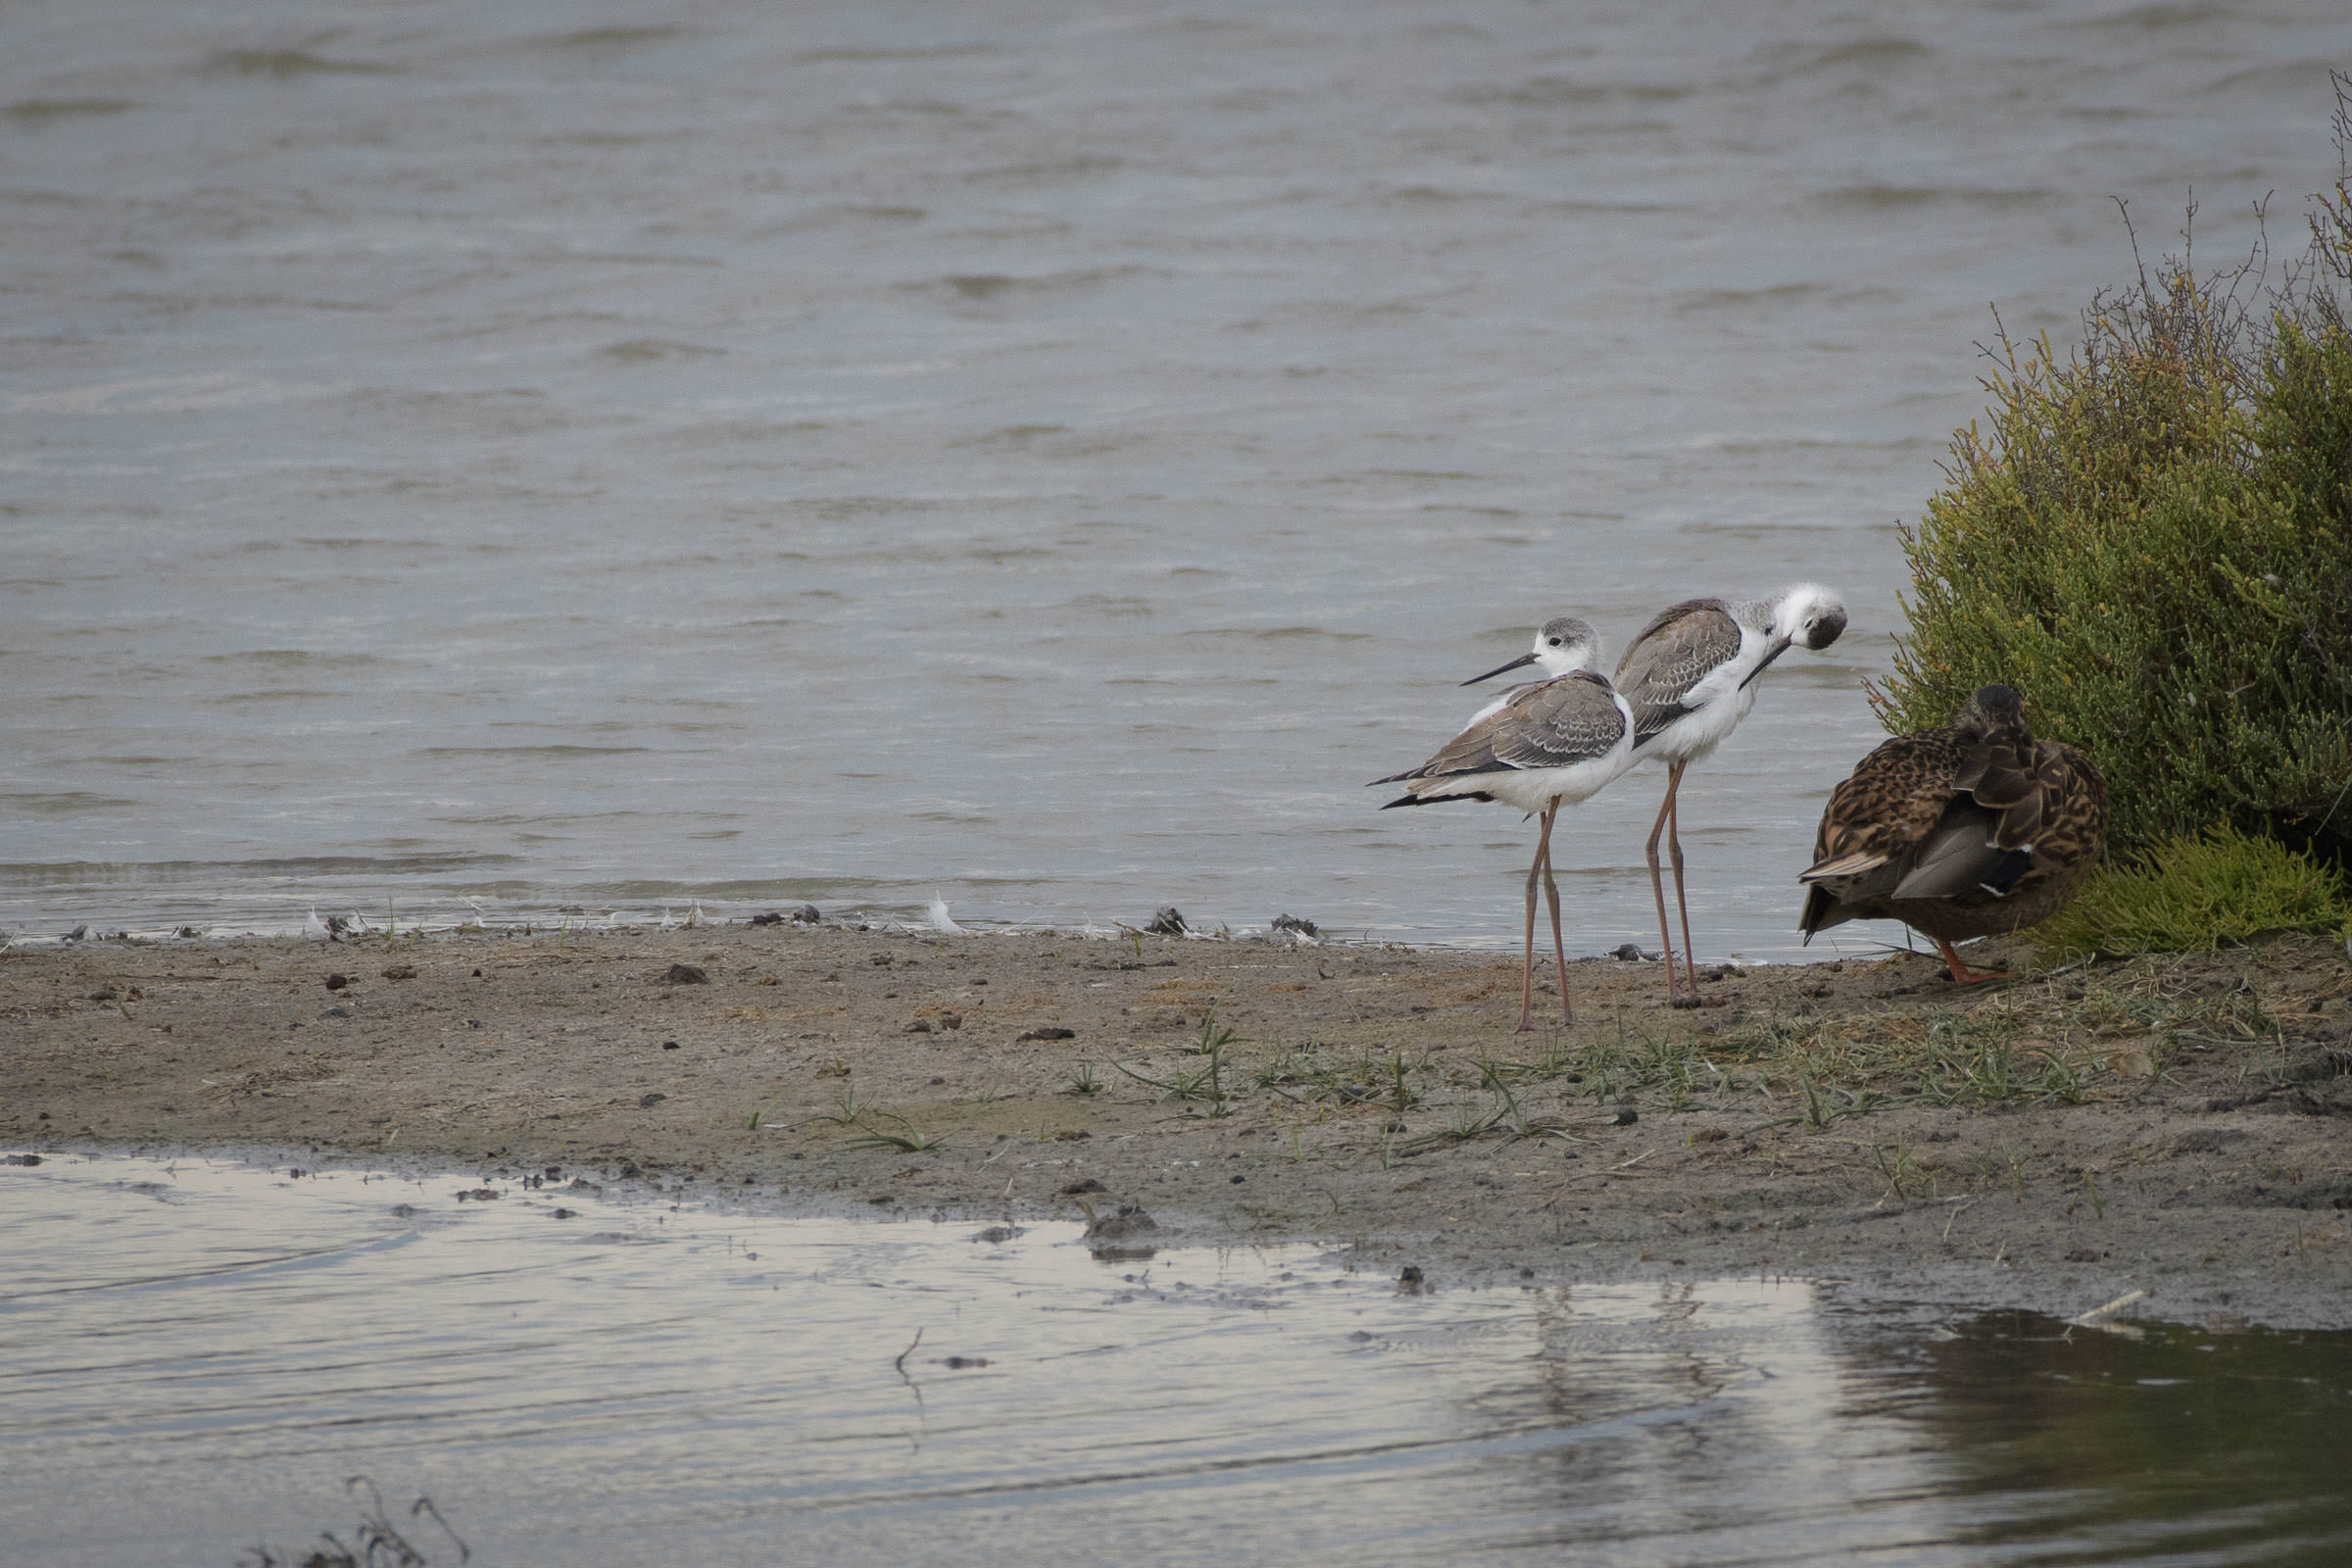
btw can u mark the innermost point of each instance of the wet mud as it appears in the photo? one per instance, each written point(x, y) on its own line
point(2181, 1127)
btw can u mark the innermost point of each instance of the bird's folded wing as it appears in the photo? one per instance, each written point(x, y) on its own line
point(2005, 772)
point(2043, 816)
point(1682, 645)
point(1842, 865)
point(1551, 724)
point(1959, 857)
point(2074, 798)
point(1890, 803)
point(1560, 723)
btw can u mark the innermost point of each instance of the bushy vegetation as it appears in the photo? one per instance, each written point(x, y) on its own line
point(2221, 886)
point(2153, 541)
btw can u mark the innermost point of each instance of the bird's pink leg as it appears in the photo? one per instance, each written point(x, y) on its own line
point(1527, 949)
point(1674, 846)
point(1551, 896)
point(1657, 885)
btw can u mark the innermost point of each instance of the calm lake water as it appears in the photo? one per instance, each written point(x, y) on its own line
point(195, 1355)
point(544, 455)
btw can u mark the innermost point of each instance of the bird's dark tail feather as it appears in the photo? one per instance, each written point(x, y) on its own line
point(1432, 800)
point(1815, 913)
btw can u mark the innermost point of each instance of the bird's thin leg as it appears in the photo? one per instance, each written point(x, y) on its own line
point(1674, 846)
point(1657, 885)
point(1551, 896)
point(1962, 974)
point(1527, 950)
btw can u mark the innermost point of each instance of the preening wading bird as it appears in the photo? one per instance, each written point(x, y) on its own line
point(1976, 829)
point(1536, 747)
point(1689, 675)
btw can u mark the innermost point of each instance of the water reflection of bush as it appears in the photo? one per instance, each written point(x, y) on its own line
point(2201, 1438)
point(1761, 1422)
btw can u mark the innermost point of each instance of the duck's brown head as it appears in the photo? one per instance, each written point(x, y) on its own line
point(1991, 709)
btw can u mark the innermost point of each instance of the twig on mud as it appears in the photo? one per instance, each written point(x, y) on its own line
point(2096, 1317)
point(1622, 1168)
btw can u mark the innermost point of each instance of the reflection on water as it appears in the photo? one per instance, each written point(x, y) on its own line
point(193, 1358)
point(2207, 1446)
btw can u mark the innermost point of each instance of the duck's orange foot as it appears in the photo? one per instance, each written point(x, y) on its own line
point(1963, 975)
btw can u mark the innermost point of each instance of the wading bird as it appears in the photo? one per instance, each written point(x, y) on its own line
point(1973, 830)
point(1689, 676)
point(1538, 748)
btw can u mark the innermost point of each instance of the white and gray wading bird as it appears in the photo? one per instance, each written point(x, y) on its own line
point(1536, 747)
point(1689, 675)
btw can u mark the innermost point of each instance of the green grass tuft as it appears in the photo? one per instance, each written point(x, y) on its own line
point(2197, 894)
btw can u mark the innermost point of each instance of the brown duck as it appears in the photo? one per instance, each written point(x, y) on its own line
point(1977, 829)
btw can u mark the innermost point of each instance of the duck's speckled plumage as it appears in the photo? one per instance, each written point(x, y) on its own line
point(1974, 829)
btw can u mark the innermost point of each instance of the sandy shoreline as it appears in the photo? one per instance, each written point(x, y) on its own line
point(2181, 1126)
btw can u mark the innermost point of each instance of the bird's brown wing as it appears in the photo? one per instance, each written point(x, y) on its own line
point(1551, 724)
point(1572, 719)
point(2072, 830)
point(1962, 855)
point(2038, 813)
point(1983, 841)
point(2004, 773)
point(1682, 644)
point(1885, 809)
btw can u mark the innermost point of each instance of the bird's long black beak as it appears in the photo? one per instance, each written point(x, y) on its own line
point(1778, 649)
point(1498, 669)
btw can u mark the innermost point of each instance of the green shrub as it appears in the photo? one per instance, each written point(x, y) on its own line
point(2153, 544)
point(2199, 893)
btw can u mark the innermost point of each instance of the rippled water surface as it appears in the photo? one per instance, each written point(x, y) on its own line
point(194, 1356)
point(544, 454)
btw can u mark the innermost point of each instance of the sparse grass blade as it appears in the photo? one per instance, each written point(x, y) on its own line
point(909, 1140)
point(1204, 1086)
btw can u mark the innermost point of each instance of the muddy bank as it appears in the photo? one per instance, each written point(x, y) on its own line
point(2181, 1126)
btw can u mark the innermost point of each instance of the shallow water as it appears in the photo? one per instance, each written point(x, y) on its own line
point(195, 1354)
point(525, 456)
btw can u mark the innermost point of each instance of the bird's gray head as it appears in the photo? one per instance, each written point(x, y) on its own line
point(1991, 708)
point(1808, 616)
point(1565, 645)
